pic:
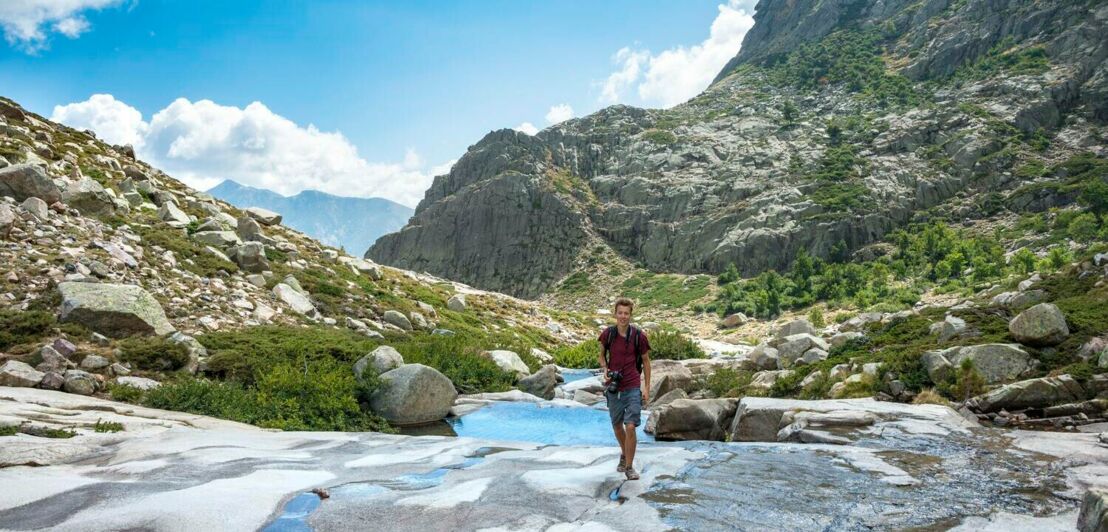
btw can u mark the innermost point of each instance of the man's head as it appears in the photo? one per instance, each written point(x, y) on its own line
point(624, 307)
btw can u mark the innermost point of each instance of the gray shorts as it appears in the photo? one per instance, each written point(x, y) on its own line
point(625, 407)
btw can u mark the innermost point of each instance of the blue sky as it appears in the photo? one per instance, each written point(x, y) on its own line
point(394, 90)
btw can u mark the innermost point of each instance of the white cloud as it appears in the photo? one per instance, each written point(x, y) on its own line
point(677, 74)
point(527, 128)
point(559, 113)
point(27, 23)
point(203, 143)
point(112, 120)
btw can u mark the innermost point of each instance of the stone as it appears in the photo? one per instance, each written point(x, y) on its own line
point(116, 310)
point(457, 303)
point(52, 380)
point(256, 279)
point(811, 379)
point(249, 229)
point(1019, 299)
point(734, 320)
point(1041, 325)
point(398, 319)
point(844, 337)
point(763, 380)
point(22, 181)
point(196, 350)
point(138, 382)
point(79, 382)
point(839, 371)
point(996, 362)
point(839, 389)
point(419, 321)
point(298, 302)
point(95, 362)
point(294, 283)
point(541, 383)
point(19, 374)
point(89, 197)
point(800, 326)
point(811, 356)
point(250, 257)
point(542, 356)
point(427, 310)
point(120, 370)
point(219, 239)
point(36, 207)
point(367, 268)
point(950, 327)
point(668, 398)
point(668, 375)
point(1094, 511)
point(794, 346)
point(764, 357)
point(384, 358)
point(1031, 393)
point(64, 347)
point(170, 213)
point(263, 216)
point(7, 219)
point(442, 332)
point(508, 361)
point(693, 419)
point(52, 360)
point(413, 394)
point(586, 398)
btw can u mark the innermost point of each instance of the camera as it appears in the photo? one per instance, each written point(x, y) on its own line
point(613, 381)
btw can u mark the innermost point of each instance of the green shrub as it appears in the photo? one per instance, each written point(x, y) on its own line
point(582, 355)
point(659, 136)
point(301, 395)
point(125, 393)
point(866, 387)
point(727, 382)
point(107, 426)
point(191, 255)
point(22, 327)
point(153, 353)
point(815, 316)
point(43, 432)
point(672, 345)
point(459, 358)
point(9, 430)
point(968, 382)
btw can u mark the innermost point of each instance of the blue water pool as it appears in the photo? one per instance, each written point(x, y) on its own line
point(545, 424)
point(571, 375)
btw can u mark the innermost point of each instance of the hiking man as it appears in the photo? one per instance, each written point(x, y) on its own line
point(624, 356)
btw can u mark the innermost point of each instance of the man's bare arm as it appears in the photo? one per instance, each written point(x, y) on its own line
point(646, 377)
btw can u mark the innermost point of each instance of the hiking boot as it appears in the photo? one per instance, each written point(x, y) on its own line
point(631, 474)
point(622, 466)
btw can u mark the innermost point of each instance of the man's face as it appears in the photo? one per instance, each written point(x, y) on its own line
point(623, 315)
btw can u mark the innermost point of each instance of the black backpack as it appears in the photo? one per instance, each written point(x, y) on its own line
point(632, 336)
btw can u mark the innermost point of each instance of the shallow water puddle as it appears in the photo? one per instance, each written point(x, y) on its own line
point(542, 424)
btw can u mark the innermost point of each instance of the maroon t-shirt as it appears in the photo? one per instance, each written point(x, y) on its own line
point(621, 357)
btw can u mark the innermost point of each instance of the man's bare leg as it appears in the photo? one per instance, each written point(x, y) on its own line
point(630, 441)
point(621, 438)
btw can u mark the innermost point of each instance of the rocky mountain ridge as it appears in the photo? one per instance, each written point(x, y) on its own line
point(836, 123)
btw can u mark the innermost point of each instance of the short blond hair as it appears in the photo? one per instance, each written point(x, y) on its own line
point(624, 302)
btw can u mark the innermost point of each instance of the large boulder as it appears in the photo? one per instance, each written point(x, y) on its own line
point(79, 382)
point(765, 357)
point(219, 239)
point(950, 327)
point(116, 310)
point(250, 257)
point(7, 219)
point(89, 197)
point(19, 374)
point(1016, 300)
point(297, 301)
point(1032, 393)
point(141, 383)
point(693, 419)
point(996, 362)
point(669, 375)
point(1094, 511)
point(380, 360)
point(793, 347)
point(413, 394)
point(800, 326)
point(457, 303)
point(508, 361)
point(541, 383)
point(22, 181)
point(264, 216)
point(171, 214)
point(1040, 325)
point(398, 319)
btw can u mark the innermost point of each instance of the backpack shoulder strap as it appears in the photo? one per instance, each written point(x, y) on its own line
point(635, 333)
point(608, 337)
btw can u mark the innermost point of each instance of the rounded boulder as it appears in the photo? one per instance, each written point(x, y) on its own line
point(413, 394)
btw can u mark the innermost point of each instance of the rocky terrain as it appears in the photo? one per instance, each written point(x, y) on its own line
point(836, 123)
